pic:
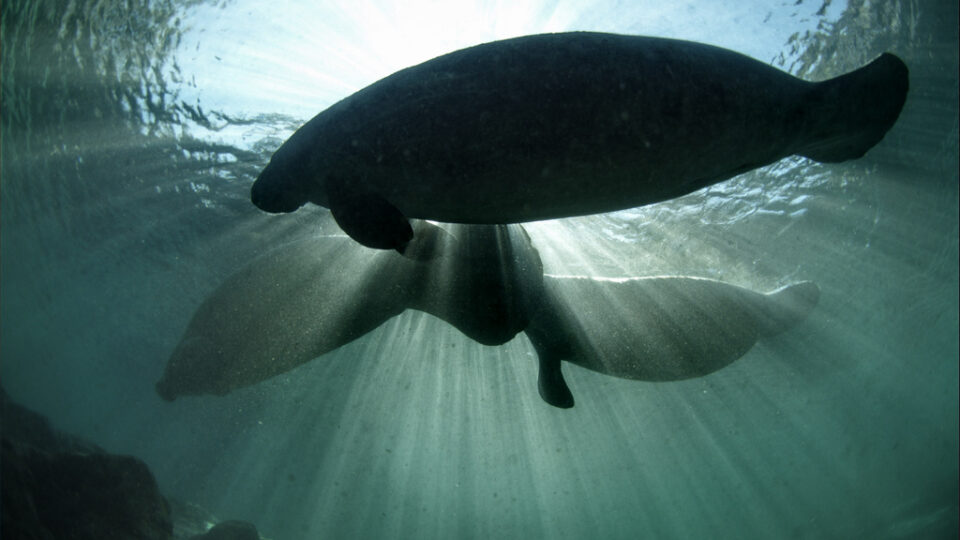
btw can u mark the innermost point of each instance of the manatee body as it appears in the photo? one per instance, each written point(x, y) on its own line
point(309, 297)
point(654, 329)
point(486, 284)
point(557, 125)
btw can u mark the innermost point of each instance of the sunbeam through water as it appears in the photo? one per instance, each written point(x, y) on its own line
point(132, 133)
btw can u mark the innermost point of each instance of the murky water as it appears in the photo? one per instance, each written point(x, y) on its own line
point(132, 132)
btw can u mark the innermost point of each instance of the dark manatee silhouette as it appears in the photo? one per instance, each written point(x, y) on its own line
point(656, 328)
point(309, 297)
point(557, 125)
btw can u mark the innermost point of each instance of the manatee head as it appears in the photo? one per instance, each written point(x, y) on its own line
point(280, 187)
point(290, 179)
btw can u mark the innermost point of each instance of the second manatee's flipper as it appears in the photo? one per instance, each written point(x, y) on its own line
point(553, 389)
point(549, 333)
point(429, 242)
point(371, 220)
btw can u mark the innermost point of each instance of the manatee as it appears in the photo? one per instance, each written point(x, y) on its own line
point(309, 297)
point(558, 125)
point(654, 329)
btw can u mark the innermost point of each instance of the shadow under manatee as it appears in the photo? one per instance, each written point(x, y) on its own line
point(309, 297)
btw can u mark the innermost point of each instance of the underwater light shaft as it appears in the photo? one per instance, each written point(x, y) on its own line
point(125, 199)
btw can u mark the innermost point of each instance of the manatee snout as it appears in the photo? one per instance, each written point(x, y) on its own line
point(271, 193)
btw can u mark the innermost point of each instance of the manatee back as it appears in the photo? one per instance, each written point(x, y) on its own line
point(469, 137)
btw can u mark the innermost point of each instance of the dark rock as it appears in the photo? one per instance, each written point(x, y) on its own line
point(191, 522)
point(27, 427)
point(58, 487)
point(189, 519)
point(230, 530)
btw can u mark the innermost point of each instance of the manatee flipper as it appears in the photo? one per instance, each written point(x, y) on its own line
point(553, 389)
point(370, 220)
point(854, 111)
point(429, 242)
point(550, 334)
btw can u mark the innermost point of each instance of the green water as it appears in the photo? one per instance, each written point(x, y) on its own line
point(131, 135)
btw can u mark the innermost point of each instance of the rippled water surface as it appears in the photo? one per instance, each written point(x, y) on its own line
point(132, 132)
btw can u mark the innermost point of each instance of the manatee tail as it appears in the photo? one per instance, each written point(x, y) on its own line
point(788, 306)
point(854, 111)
